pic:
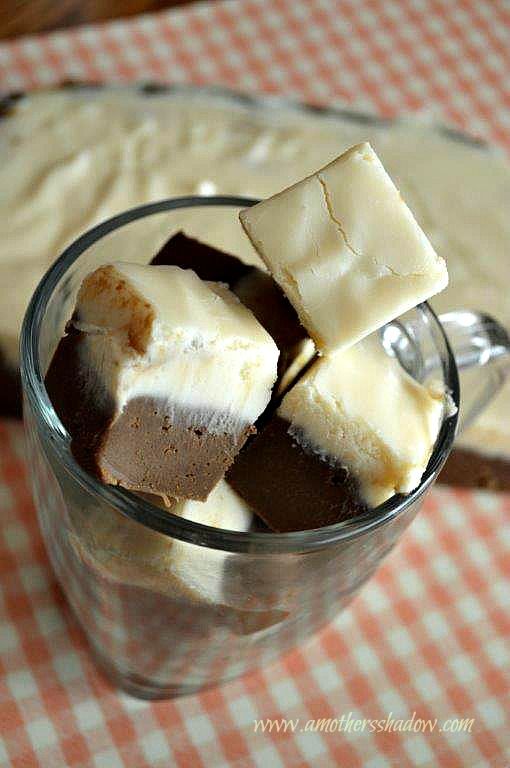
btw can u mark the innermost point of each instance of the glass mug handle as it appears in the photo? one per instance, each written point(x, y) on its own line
point(481, 347)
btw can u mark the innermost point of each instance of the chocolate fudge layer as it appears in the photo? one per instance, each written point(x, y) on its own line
point(467, 469)
point(160, 378)
point(290, 488)
point(10, 389)
point(254, 287)
point(355, 430)
point(209, 263)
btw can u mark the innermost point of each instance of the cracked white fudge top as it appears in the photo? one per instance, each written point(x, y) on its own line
point(346, 249)
point(359, 407)
point(160, 331)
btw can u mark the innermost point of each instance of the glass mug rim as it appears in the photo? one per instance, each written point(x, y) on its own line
point(143, 511)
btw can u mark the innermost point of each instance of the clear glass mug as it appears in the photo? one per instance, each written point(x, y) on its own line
point(253, 595)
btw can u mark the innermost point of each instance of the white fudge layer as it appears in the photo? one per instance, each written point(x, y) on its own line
point(361, 408)
point(160, 331)
point(141, 556)
point(346, 249)
point(204, 570)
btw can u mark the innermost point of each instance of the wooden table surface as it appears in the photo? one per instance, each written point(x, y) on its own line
point(28, 17)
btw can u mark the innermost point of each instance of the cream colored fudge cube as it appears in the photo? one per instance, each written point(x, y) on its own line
point(346, 249)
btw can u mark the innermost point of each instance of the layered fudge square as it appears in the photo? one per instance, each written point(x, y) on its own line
point(160, 378)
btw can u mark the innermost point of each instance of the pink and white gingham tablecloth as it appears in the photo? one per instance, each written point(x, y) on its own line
point(429, 637)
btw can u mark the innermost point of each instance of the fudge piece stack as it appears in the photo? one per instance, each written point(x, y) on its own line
point(175, 375)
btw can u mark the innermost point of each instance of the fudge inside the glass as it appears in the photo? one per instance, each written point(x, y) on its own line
point(355, 430)
point(160, 378)
point(164, 372)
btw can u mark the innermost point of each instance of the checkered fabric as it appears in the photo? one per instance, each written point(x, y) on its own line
point(428, 637)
